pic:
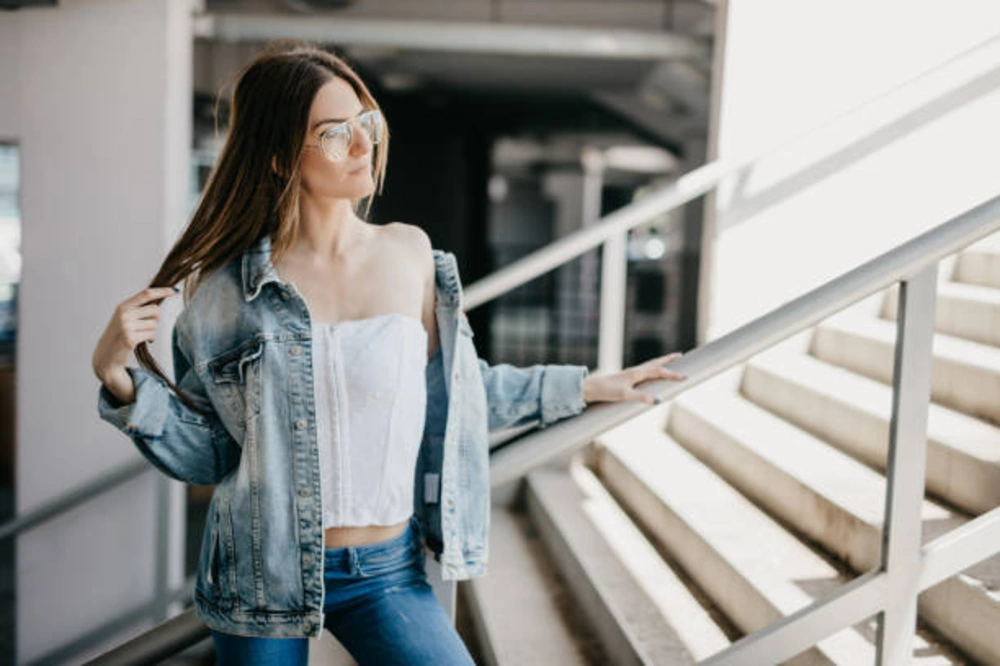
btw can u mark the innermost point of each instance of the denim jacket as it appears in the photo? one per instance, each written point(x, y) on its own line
point(242, 348)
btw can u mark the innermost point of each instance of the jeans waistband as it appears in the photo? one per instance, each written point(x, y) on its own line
point(406, 538)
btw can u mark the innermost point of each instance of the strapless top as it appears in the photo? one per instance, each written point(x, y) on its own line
point(369, 378)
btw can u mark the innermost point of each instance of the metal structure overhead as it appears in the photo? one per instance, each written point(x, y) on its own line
point(464, 37)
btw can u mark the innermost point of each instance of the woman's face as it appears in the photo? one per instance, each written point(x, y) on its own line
point(350, 177)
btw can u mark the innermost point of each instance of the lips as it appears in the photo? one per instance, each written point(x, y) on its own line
point(359, 169)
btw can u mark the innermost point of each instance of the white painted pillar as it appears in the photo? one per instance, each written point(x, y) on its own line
point(97, 94)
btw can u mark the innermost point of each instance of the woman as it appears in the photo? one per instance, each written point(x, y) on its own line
point(326, 384)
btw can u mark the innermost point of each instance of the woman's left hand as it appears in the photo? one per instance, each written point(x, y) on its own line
point(621, 385)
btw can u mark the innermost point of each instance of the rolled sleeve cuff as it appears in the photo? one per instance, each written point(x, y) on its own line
point(146, 415)
point(562, 392)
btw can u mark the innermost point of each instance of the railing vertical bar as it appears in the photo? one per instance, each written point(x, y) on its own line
point(161, 562)
point(902, 528)
point(611, 337)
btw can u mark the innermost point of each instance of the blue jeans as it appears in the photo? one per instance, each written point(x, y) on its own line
point(378, 604)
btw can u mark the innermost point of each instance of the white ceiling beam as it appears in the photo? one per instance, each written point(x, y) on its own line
point(465, 37)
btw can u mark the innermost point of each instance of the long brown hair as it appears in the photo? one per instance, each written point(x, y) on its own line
point(244, 197)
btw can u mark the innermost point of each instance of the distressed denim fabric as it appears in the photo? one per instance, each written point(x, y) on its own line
point(242, 348)
point(378, 604)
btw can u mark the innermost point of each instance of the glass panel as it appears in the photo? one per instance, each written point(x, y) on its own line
point(10, 278)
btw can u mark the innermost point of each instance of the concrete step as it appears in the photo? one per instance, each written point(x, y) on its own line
point(746, 562)
point(965, 374)
point(967, 311)
point(518, 609)
point(833, 500)
point(636, 604)
point(980, 263)
point(853, 413)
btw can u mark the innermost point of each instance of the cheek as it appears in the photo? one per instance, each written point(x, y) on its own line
point(319, 174)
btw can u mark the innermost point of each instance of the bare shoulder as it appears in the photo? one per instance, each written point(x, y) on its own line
point(417, 241)
point(418, 246)
point(409, 233)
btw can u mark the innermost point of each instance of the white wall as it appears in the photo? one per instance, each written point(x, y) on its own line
point(97, 95)
point(821, 207)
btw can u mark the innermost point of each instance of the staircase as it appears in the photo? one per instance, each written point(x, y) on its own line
point(754, 494)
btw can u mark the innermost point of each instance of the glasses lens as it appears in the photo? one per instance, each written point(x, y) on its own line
point(371, 122)
point(336, 142)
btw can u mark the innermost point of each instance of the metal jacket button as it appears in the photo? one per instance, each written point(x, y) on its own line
point(300, 424)
point(295, 350)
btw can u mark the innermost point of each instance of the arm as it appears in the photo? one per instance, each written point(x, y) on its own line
point(517, 396)
point(178, 441)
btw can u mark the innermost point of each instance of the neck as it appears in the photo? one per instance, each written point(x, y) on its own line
point(329, 228)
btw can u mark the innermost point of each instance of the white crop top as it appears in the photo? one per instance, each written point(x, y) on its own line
point(370, 406)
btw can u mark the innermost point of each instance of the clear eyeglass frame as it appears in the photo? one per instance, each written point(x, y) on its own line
point(336, 141)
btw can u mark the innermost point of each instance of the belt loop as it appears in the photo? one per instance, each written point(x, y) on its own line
point(355, 567)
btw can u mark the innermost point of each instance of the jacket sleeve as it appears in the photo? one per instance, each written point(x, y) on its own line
point(517, 396)
point(178, 441)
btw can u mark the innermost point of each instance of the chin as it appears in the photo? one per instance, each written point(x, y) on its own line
point(358, 192)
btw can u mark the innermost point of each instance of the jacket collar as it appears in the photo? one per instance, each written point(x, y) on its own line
point(257, 270)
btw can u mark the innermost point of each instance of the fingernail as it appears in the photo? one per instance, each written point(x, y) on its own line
point(177, 289)
point(656, 400)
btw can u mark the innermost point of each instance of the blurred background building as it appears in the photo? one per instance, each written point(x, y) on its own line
point(514, 123)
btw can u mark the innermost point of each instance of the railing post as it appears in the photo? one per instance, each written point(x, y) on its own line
point(902, 527)
point(171, 523)
point(611, 335)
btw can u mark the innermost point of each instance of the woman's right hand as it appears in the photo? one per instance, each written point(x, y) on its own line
point(134, 321)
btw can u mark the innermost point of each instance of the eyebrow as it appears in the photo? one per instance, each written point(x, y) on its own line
point(334, 120)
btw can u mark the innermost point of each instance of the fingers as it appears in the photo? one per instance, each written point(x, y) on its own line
point(151, 294)
point(139, 334)
point(658, 362)
point(665, 373)
point(658, 371)
point(147, 312)
point(134, 306)
point(139, 316)
point(642, 397)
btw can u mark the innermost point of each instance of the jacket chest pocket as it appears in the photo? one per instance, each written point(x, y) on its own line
point(236, 377)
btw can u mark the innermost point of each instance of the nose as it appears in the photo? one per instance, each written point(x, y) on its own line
point(361, 143)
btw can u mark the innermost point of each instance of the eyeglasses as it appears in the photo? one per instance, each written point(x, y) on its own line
point(337, 140)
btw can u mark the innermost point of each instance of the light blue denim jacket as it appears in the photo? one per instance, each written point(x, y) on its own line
point(242, 347)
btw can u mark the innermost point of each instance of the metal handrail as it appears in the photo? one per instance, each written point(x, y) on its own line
point(71, 499)
point(161, 642)
point(698, 365)
point(875, 111)
point(906, 568)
